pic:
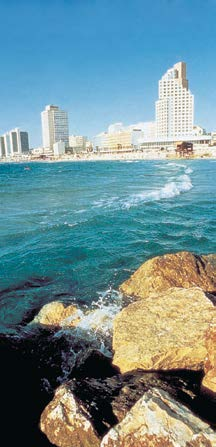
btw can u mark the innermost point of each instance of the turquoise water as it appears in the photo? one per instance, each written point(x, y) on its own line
point(75, 231)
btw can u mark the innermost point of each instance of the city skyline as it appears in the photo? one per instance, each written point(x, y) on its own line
point(101, 60)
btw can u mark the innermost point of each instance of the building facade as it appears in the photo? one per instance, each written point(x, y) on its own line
point(175, 106)
point(59, 148)
point(15, 142)
point(78, 142)
point(54, 126)
point(117, 140)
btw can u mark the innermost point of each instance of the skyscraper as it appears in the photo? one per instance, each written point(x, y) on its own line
point(175, 106)
point(54, 126)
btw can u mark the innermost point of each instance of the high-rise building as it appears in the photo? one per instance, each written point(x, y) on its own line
point(15, 142)
point(54, 126)
point(175, 106)
point(2, 147)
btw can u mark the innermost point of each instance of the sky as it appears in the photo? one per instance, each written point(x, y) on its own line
point(101, 60)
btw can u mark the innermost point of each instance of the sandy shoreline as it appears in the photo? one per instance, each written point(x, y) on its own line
point(117, 156)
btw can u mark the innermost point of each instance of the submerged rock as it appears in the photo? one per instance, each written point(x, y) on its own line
point(209, 381)
point(181, 269)
point(164, 331)
point(157, 420)
point(56, 314)
point(66, 423)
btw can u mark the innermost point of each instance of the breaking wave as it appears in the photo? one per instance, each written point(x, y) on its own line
point(181, 184)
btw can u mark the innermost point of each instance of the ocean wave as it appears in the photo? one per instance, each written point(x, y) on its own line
point(176, 165)
point(94, 330)
point(170, 190)
point(188, 171)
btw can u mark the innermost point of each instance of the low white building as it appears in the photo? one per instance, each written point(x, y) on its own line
point(59, 148)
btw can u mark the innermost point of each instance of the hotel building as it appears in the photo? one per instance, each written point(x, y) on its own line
point(175, 106)
point(54, 126)
point(118, 138)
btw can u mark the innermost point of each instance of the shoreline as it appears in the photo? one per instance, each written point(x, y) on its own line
point(118, 156)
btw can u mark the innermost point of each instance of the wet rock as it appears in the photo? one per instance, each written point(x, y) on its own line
point(66, 423)
point(157, 420)
point(165, 331)
point(56, 314)
point(108, 400)
point(181, 269)
point(209, 381)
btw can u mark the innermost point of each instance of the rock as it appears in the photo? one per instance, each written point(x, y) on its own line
point(209, 381)
point(181, 269)
point(55, 314)
point(164, 331)
point(66, 424)
point(109, 399)
point(157, 420)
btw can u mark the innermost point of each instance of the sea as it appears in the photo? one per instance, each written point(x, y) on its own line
point(74, 231)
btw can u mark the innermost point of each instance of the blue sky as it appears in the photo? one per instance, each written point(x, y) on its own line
point(101, 60)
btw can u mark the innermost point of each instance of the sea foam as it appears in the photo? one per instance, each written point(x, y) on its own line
point(178, 185)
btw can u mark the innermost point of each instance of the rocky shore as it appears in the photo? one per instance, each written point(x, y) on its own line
point(154, 387)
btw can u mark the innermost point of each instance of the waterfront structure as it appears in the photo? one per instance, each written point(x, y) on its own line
point(175, 106)
point(213, 138)
point(59, 148)
point(117, 138)
point(148, 129)
point(100, 141)
point(14, 143)
point(54, 126)
point(2, 147)
point(199, 143)
point(198, 130)
point(116, 128)
point(77, 142)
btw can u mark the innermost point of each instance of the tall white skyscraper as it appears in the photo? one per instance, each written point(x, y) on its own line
point(54, 126)
point(175, 106)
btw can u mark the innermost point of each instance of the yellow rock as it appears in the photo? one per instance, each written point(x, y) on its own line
point(65, 423)
point(56, 314)
point(157, 420)
point(164, 331)
point(181, 269)
point(209, 381)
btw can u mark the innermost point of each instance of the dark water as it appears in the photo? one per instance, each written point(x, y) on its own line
point(75, 231)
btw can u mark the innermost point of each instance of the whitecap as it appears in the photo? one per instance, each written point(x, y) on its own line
point(94, 330)
point(71, 224)
point(188, 171)
point(168, 191)
point(80, 211)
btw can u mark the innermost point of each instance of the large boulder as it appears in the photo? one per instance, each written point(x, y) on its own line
point(66, 424)
point(164, 331)
point(181, 269)
point(209, 381)
point(56, 314)
point(157, 420)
